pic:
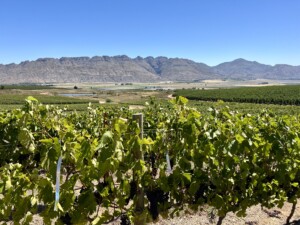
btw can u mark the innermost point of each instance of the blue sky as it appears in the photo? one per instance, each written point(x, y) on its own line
point(209, 31)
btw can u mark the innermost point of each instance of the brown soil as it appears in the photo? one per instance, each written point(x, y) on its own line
point(255, 216)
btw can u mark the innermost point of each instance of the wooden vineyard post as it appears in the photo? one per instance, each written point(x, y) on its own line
point(139, 207)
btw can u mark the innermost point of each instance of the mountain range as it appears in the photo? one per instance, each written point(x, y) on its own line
point(125, 69)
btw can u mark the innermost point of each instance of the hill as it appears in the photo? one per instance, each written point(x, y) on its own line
point(126, 69)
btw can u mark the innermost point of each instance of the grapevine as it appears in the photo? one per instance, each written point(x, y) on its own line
point(224, 159)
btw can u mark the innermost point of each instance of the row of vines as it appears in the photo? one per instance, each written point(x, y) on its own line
point(224, 159)
point(281, 95)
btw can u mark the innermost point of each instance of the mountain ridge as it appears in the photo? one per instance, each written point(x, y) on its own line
point(122, 68)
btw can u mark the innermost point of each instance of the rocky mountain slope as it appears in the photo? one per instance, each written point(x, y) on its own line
point(149, 69)
point(243, 69)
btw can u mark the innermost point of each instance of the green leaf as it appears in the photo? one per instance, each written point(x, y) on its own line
point(120, 125)
point(86, 200)
point(292, 175)
point(27, 219)
point(105, 192)
point(194, 187)
point(96, 221)
point(179, 100)
point(106, 138)
point(8, 184)
point(295, 184)
point(146, 141)
point(59, 207)
point(46, 141)
point(33, 201)
point(187, 176)
point(218, 201)
point(26, 139)
point(30, 98)
point(239, 138)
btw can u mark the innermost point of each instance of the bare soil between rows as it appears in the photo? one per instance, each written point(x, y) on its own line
point(256, 215)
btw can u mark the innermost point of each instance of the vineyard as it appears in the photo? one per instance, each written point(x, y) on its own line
point(251, 108)
point(112, 166)
point(45, 99)
point(283, 95)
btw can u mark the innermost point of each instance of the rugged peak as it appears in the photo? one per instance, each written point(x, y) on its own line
point(240, 60)
point(122, 57)
point(139, 58)
point(84, 58)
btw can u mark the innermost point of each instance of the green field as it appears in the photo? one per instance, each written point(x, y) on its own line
point(45, 99)
point(282, 95)
point(279, 99)
point(252, 108)
point(26, 87)
point(12, 101)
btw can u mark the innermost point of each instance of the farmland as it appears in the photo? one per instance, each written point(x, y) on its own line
point(226, 155)
point(224, 159)
point(282, 95)
point(281, 99)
